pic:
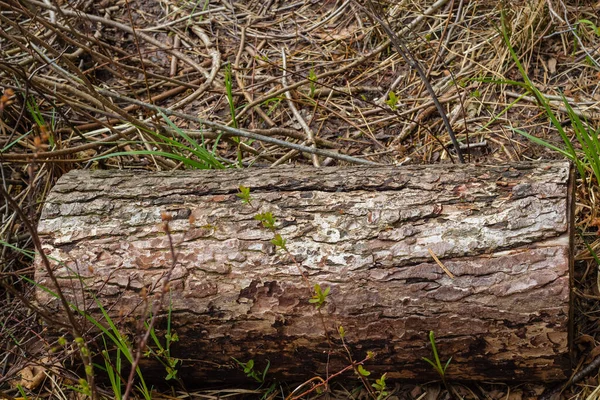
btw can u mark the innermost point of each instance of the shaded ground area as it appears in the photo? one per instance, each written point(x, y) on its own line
point(80, 79)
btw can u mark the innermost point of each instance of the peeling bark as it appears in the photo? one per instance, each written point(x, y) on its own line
point(502, 231)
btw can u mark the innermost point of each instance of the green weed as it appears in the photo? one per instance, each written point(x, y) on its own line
point(229, 93)
point(436, 363)
point(584, 22)
point(163, 353)
point(587, 138)
point(250, 372)
point(279, 242)
point(392, 100)
point(244, 195)
point(272, 104)
point(113, 370)
point(320, 296)
point(113, 338)
point(201, 157)
point(312, 77)
point(380, 387)
point(267, 219)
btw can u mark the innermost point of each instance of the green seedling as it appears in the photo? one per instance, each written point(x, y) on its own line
point(38, 117)
point(437, 362)
point(272, 104)
point(232, 110)
point(27, 253)
point(320, 296)
point(22, 392)
point(163, 354)
point(250, 372)
point(229, 93)
point(279, 242)
point(109, 330)
point(380, 387)
point(595, 29)
point(585, 135)
point(113, 370)
point(244, 194)
point(267, 219)
point(196, 6)
point(392, 100)
point(193, 155)
point(312, 77)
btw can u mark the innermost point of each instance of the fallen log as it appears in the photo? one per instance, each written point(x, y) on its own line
point(481, 255)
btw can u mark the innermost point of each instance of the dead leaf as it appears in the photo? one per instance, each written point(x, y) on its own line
point(594, 353)
point(32, 376)
point(515, 395)
point(433, 392)
point(552, 65)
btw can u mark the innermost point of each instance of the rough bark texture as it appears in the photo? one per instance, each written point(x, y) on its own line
point(502, 231)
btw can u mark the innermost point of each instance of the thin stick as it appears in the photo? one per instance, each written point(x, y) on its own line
point(239, 132)
point(442, 266)
point(309, 134)
point(403, 50)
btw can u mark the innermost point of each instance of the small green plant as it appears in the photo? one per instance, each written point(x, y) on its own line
point(312, 77)
point(113, 370)
point(244, 194)
point(163, 354)
point(380, 387)
point(437, 362)
point(250, 372)
point(272, 103)
point(22, 392)
point(267, 219)
point(193, 155)
point(392, 100)
point(229, 93)
point(585, 135)
point(194, 10)
point(110, 334)
point(584, 22)
point(320, 296)
point(279, 242)
point(82, 387)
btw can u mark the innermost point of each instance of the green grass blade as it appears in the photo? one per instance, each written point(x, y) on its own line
point(188, 162)
point(198, 150)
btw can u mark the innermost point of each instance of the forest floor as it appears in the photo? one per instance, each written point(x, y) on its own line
point(79, 82)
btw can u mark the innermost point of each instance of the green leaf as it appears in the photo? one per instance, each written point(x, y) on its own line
point(392, 100)
point(264, 374)
point(312, 76)
point(244, 194)
point(363, 371)
point(267, 219)
point(430, 362)
point(279, 242)
point(447, 363)
point(379, 384)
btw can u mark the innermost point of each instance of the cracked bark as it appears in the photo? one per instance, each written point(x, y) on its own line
point(504, 231)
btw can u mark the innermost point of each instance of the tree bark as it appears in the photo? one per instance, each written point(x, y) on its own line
point(503, 233)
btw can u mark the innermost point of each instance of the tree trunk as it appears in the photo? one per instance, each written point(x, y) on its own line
point(502, 233)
